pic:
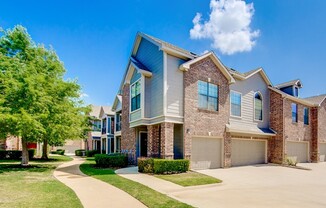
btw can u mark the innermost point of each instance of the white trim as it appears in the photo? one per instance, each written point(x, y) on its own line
point(165, 82)
point(176, 53)
point(240, 104)
point(262, 106)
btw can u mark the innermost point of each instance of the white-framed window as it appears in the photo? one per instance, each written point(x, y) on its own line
point(235, 98)
point(207, 96)
point(135, 96)
point(258, 102)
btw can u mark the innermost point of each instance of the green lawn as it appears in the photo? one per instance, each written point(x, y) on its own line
point(34, 186)
point(146, 195)
point(189, 179)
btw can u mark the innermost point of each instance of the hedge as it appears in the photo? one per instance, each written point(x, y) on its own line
point(162, 166)
point(58, 152)
point(80, 152)
point(112, 160)
point(15, 154)
point(91, 153)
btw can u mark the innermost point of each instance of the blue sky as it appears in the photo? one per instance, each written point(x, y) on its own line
point(94, 38)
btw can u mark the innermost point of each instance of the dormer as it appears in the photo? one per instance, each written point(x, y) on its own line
point(291, 87)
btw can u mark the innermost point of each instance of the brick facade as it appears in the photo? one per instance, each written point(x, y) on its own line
point(322, 122)
point(314, 157)
point(276, 144)
point(128, 135)
point(160, 140)
point(198, 122)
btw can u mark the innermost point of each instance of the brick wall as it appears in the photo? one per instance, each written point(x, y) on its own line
point(153, 141)
point(314, 134)
point(160, 140)
point(128, 135)
point(200, 122)
point(322, 122)
point(276, 144)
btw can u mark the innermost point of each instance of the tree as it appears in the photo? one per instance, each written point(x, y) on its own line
point(36, 103)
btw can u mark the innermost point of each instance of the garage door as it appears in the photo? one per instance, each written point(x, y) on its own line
point(298, 151)
point(248, 152)
point(322, 152)
point(206, 153)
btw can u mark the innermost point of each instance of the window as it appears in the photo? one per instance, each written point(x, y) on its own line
point(207, 96)
point(258, 107)
point(306, 116)
point(294, 113)
point(235, 104)
point(135, 96)
point(296, 92)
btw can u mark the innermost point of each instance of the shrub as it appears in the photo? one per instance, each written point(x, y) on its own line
point(80, 152)
point(145, 165)
point(112, 161)
point(58, 152)
point(3, 154)
point(15, 154)
point(163, 166)
point(91, 153)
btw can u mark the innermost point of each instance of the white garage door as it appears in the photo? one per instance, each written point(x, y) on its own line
point(298, 151)
point(206, 153)
point(322, 152)
point(248, 152)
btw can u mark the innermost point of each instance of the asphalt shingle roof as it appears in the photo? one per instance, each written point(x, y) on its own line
point(316, 99)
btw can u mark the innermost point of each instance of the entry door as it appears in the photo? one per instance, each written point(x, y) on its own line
point(143, 144)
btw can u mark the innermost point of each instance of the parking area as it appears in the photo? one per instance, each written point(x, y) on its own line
point(261, 186)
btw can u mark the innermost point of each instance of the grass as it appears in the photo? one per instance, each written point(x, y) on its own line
point(52, 159)
point(146, 195)
point(34, 186)
point(189, 179)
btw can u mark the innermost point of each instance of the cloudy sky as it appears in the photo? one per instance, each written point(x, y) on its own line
point(94, 38)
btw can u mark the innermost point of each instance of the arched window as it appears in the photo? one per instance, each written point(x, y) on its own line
point(258, 106)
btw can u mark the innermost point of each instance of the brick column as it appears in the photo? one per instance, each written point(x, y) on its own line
point(314, 156)
point(153, 141)
point(128, 135)
point(227, 150)
point(167, 133)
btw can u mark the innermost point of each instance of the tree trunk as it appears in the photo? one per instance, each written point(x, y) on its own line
point(25, 158)
point(45, 150)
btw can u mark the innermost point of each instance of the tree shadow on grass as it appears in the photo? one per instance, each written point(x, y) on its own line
point(4, 168)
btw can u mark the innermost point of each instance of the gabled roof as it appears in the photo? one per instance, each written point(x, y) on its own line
point(106, 110)
point(165, 46)
point(246, 75)
point(186, 66)
point(295, 99)
point(316, 99)
point(95, 112)
point(117, 99)
point(296, 82)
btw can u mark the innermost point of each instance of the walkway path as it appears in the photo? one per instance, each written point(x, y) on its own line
point(90, 191)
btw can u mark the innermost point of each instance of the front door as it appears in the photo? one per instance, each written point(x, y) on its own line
point(143, 144)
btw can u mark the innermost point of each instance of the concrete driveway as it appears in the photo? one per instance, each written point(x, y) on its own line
point(262, 186)
point(249, 186)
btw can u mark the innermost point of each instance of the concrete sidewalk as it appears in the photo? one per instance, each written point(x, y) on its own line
point(90, 191)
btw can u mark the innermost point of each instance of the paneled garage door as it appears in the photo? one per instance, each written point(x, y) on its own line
point(248, 152)
point(206, 153)
point(322, 152)
point(298, 151)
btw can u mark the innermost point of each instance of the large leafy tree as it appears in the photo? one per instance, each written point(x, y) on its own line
point(36, 103)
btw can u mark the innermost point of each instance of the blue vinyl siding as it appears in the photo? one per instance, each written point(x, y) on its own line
point(288, 90)
point(150, 56)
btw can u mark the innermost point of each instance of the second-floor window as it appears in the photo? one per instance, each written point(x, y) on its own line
point(294, 113)
point(235, 104)
point(258, 107)
point(135, 96)
point(207, 96)
point(306, 116)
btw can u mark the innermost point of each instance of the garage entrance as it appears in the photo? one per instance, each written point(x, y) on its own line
point(298, 151)
point(206, 153)
point(322, 152)
point(248, 152)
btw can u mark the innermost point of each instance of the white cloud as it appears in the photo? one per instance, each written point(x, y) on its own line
point(228, 26)
point(84, 95)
